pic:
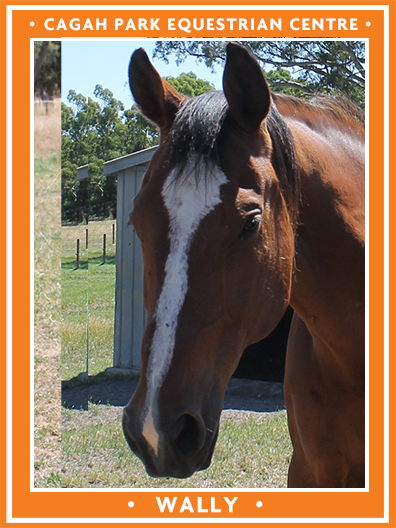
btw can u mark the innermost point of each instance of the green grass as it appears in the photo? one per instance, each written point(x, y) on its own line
point(252, 451)
point(88, 300)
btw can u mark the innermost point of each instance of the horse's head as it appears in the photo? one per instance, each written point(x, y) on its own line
point(217, 237)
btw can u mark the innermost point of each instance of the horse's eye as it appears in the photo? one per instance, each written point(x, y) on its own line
point(252, 224)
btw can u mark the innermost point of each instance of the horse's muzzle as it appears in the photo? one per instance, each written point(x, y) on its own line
point(185, 445)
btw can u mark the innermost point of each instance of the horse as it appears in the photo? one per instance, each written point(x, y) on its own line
point(254, 201)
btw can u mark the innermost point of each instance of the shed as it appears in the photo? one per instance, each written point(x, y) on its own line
point(130, 315)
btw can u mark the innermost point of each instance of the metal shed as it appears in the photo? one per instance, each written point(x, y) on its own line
point(130, 315)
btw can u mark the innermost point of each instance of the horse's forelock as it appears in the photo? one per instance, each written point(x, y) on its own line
point(195, 132)
point(194, 142)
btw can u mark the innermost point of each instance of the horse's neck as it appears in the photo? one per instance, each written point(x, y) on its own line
point(328, 290)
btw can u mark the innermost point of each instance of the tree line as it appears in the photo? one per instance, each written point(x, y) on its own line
point(304, 67)
point(95, 130)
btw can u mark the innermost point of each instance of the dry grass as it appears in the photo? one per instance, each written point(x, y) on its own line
point(47, 130)
point(47, 144)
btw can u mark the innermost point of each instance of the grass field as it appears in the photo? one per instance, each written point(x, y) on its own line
point(252, 451)
point(88, 299)
point(86, 448)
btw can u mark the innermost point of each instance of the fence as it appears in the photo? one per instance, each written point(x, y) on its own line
point(104, 245)
point(88, 298)
point(47, 106)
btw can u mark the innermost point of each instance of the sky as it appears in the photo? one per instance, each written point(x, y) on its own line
point(88, 63)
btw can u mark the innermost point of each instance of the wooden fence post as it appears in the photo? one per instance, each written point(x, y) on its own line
point(78, 253)
point(104, 248)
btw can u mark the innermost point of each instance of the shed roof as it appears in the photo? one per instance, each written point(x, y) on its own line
point(142, 157)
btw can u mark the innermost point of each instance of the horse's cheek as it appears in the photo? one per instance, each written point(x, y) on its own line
point(248, 296)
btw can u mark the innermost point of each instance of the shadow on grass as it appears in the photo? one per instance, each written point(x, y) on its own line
point(241, 394)
point(98, 261)
point(71, 264)
point(100, 389)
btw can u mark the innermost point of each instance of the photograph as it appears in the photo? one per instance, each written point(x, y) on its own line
point(198, 260)
point(234, 185)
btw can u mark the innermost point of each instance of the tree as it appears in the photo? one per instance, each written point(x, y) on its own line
point(281, 80)
point(189, 84)
point(314, 66)
point(74, 195)
point(98, 130)
point(47, 68)
point(92, 132)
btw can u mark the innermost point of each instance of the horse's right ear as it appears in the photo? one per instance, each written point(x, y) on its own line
point(157, 99)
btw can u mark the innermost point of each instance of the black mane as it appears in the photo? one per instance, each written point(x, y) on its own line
point(196, 130)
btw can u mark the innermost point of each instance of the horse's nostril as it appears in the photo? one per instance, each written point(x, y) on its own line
point(190, 435)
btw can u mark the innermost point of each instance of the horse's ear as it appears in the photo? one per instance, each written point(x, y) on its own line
point(245, 87)
point(157, 99)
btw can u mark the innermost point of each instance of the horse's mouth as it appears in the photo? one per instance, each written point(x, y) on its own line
point(167, 463)
point(179, 468)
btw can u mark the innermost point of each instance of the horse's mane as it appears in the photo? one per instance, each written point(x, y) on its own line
point(195, 139)
point(198, 125)
point(338, 107)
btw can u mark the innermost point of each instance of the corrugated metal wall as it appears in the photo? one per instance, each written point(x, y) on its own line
point(130, 315)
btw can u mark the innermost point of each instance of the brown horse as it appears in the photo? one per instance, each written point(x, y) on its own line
point(252, 202)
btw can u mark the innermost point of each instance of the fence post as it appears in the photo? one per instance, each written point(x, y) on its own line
point(86, 239)
point(113, 233)
point(78, 254)
point(104, 248)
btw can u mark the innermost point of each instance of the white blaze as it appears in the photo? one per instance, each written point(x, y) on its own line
point(187, 201)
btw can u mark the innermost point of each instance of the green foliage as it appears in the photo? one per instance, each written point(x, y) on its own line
point(189, 84)
point(98, 130)
point(282, 81)
point(73, 205)
point(138, 133)
point(95, 131)
point(314, 66)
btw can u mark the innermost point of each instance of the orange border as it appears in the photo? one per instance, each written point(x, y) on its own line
point(114, 504)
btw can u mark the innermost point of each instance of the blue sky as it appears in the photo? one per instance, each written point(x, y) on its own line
point(87, 63)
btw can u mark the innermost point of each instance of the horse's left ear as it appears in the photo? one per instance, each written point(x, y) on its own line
point(245, 87)
point(157, 99)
